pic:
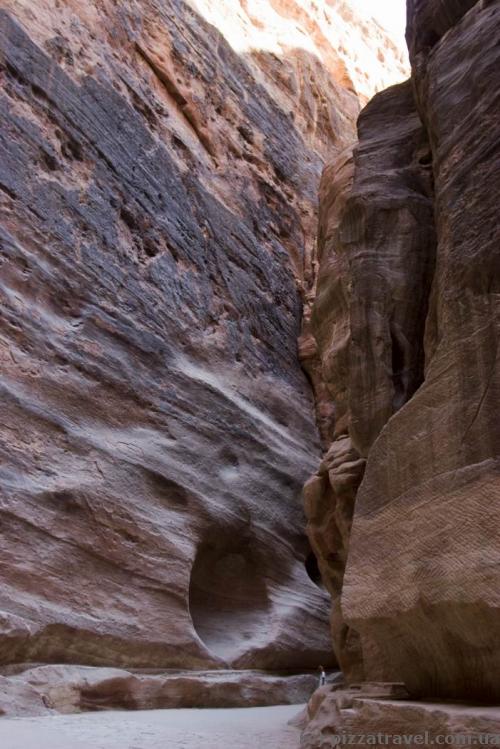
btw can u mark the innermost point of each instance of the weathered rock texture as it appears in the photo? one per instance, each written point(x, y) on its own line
point(73, 689)
point(377, 713)
point(17, 698)
point(404, 346)
point(376, 259)
point(157, 185)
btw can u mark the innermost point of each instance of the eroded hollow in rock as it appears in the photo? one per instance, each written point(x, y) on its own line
point(228, 598)
point(312, 569)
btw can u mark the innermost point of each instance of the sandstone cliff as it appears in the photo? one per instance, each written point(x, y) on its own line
point(159, 165)
point(402, 346)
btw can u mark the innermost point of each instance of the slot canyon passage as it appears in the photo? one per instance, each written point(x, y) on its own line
point(250, 288)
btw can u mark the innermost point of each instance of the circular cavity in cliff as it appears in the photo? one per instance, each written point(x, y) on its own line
point(228, 597)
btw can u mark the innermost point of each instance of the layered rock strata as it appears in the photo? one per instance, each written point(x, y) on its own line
point(73, 689)
point(376, 256)
point(405, 329)
point(379, 715)
point(157, 190)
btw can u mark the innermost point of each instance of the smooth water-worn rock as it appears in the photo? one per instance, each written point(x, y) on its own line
point(158, 181)
point(405, 327)
point(72, 689)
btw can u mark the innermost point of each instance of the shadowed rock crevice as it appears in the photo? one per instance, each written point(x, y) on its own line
point(312, 569)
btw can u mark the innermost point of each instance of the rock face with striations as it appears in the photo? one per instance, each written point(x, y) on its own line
point(404, 513)
point(158, 180)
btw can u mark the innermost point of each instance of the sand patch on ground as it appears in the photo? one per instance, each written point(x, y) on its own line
point(241, 728)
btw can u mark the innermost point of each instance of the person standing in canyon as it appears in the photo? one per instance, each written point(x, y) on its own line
point(322, 676)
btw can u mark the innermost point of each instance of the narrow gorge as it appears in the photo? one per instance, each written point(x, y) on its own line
point(159, 164)
point(248, 340)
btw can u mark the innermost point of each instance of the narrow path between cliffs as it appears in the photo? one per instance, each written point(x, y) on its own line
point(237, 728)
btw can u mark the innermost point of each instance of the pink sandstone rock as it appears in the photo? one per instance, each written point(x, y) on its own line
point(405, 329)
point(159, 165)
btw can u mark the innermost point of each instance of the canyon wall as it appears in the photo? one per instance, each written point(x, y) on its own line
point(159, 165)
point(402, 343)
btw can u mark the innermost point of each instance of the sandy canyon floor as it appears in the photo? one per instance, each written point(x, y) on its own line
point(245, 728)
